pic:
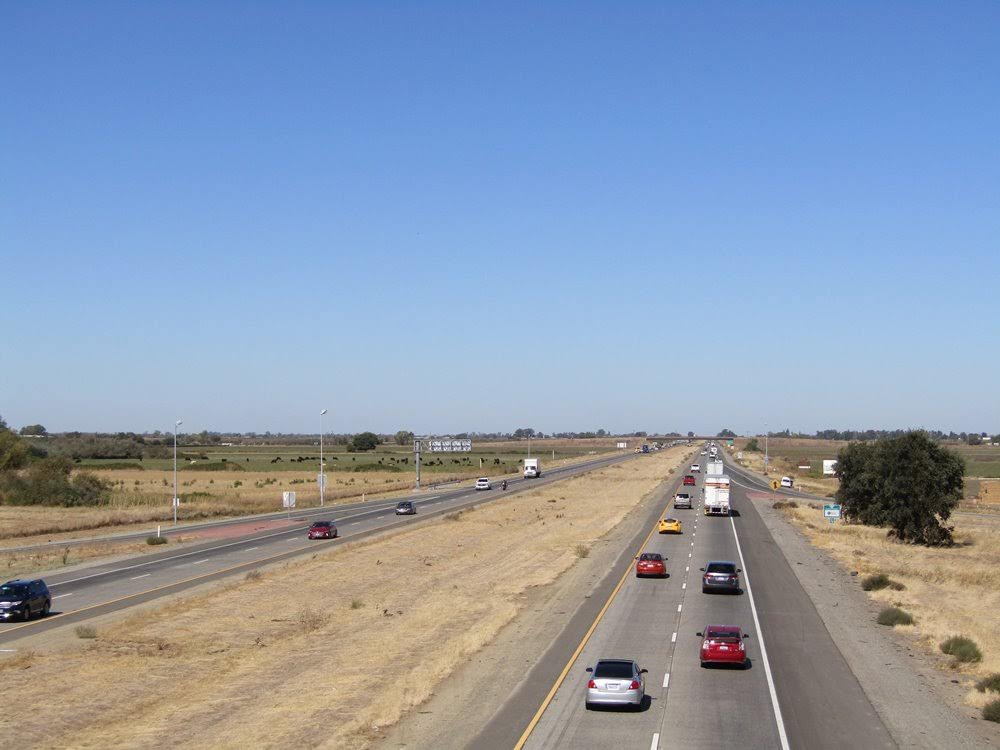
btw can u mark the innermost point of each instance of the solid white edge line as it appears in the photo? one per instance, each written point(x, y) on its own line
point(656, 741)
point(782, 736)
point(666, 680)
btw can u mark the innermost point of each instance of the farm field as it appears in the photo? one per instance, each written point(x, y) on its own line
point(142, 495)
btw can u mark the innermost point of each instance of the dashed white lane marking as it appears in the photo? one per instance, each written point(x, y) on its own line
point(684, 585)
point(689, 554)
point(199, 562)
point(59, 596)
point(136, 578)
point(251, 549)
point(656, 741)
point(666, 679)
point(679, 607)
point(687, 568)
point(673, 638)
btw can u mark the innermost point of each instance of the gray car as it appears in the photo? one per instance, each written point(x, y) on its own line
point(720, 575)
point(682, 500)
point(615, 682)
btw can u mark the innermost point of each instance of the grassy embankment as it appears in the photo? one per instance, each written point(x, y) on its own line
point(948, 591)
point(363, 633)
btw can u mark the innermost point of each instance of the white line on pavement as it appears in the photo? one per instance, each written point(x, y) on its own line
point(679, 607)
point(199, 562)
point(656, 741)
point(673, 638)
point(136, 578)
point(687, 568)
point(782, 736)
point(251, 549)
point(666, 679)
point(8, 650)
point(684, 585)
point(57, 596)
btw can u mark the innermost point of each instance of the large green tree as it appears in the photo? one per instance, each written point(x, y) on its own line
point(403, 437)
point(909, 484)
point(364, 441)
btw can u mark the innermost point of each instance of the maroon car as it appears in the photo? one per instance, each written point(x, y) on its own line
point(323, 530)
point(689, 480)
point(723, 644)
point(650, 564)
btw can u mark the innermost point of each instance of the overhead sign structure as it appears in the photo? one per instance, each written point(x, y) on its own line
point(449, 446)
point(832, 511)
point(829, 466)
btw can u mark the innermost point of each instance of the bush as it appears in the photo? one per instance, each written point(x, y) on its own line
point(991, 711)
point(582, 550)
point(752, 446)
point(893, 616)
point(990, 683)
point(963, 649)
point(85, 631)
point(357, 604)
point(875, 582)
point(154, 539)
point(51, 481)
point(781, 504)
point(252, 575)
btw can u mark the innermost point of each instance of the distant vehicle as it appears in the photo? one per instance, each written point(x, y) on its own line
point(715, 467)
point(645, 448)
point(532, 468)
point(682, 500)
point(615, 682)
point(24, 598)
point(696, 468)
point(323, 530)
point(483, 483)
point(670, 526)
point(650, 564)
point(406, 508)
point(717, 495)
point(704, 453)
point(787, 481)
point(720, 576)
point(723, 644)
point(689, 481)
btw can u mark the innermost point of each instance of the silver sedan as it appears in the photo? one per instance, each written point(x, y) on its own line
point(616, 682)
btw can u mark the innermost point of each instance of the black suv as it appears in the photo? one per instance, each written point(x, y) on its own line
point(24, 599)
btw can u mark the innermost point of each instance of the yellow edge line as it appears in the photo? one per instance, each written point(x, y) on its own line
point(590, 631)
point(152, 590)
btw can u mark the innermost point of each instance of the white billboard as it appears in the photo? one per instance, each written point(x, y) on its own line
point(829, 466)
point(450, 446)
point(622, 445)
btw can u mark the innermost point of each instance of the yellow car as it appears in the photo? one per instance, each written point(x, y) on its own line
point(670, 526)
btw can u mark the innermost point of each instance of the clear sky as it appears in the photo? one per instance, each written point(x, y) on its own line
point(473, 216)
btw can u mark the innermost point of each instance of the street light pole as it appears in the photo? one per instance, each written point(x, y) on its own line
point(175, 502)
point(322, 473)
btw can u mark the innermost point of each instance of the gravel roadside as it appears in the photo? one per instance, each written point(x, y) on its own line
point(920, 704)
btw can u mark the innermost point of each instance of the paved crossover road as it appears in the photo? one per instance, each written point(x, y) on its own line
point(800, 695)
point(107, 587)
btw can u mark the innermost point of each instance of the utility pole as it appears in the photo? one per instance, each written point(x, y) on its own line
point(416, 454)
point(176, 500)
point(322, 468)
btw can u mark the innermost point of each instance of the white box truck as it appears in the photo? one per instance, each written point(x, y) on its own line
point(715, 467)
point(716, 495)
point(532, 468)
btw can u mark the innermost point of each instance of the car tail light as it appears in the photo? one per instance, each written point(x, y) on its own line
point(591, 684)
point(634, 685)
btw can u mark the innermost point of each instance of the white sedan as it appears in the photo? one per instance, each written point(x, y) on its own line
point(483, 483)
point(696, 468)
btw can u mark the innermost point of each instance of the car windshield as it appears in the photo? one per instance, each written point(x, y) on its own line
point(615, 670)
point(17, 592)
point(683, 494)
point(721, 568)
point(650, 556)
point(728, 633)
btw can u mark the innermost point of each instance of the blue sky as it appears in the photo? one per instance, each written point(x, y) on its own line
point(450, 217)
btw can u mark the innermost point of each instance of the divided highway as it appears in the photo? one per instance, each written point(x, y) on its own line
point(797, 693)
point(108, 587)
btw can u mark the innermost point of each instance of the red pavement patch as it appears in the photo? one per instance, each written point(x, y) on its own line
point(753, 495)
point(240, 529)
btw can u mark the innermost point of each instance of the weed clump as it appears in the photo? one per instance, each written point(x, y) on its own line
point(85, 631)
point(964, 650)
point(879, 581)
point(991, 711)
point(252, 575)
point(582, 551)
point(357, 604)
point(893, 616)
point(782, 504)
point(154, 539)
point(990, 683)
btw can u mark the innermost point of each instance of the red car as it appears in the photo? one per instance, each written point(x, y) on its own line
point(723, 644)
point(689, 480)
point(650, 564)
point(323, 530)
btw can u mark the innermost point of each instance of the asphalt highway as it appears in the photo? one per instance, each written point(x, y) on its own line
point(797, 693)
point(108, 587)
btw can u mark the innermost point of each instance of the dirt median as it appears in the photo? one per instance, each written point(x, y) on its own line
point(328, 652)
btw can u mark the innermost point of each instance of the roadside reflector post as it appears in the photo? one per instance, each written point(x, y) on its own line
point(157, 531)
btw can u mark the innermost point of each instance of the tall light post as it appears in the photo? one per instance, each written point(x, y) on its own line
point(176, 501)
point(322, 472)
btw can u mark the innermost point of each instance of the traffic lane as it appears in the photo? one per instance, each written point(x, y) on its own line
point(712, 707)
point(106, 590)
point(637, 626)
point(822, 703)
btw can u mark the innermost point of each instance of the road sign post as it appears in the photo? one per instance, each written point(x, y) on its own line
point(774, 485)
point(288, 501)
point(832, 511)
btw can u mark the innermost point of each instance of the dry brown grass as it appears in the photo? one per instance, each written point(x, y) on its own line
point(950, 591)
point(20, 564)
point(781, 466)
point(387, 620)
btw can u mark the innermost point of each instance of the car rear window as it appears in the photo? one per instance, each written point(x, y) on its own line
point(720, 568)
point(18, 591)
point(613, 670)
point(723, 634)
point(650, 556)
point(322, 524)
